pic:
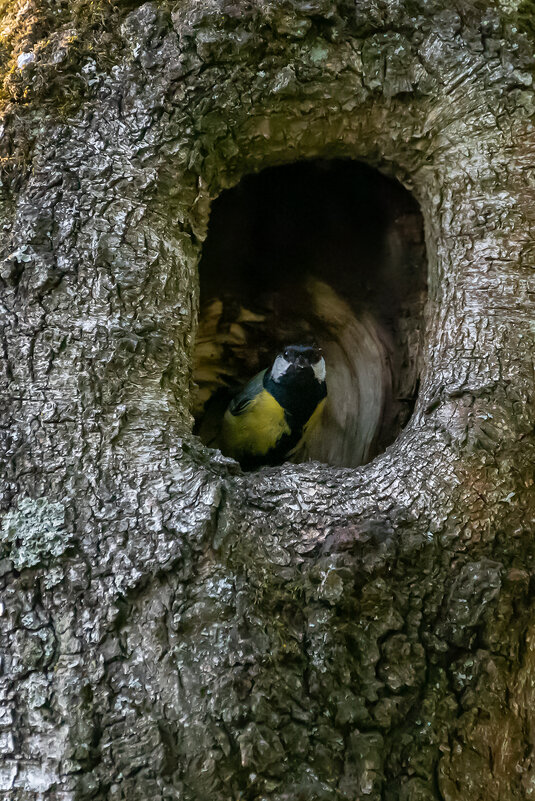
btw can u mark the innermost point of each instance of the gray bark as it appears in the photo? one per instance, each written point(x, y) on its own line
point(171, 627)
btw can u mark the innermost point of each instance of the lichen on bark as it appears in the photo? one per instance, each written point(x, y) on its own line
point(34, 533)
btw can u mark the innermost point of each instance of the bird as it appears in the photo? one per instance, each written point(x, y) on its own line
point(275, 411)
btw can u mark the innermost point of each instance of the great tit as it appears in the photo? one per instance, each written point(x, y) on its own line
point(265, 422)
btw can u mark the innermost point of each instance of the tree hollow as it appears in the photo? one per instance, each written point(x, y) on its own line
point(329, 251)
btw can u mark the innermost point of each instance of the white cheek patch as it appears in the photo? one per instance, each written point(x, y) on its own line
point(280, 365)
point(319, 370)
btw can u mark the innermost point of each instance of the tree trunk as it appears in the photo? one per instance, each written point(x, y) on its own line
point(171, 627)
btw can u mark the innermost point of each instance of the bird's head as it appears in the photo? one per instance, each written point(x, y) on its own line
point(295, 361)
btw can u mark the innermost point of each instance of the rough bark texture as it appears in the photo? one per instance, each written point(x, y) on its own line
point(171, 628)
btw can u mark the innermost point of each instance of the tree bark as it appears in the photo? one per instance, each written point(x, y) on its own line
point(171, 627)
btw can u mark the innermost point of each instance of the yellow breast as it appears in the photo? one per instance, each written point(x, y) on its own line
point(256, 430)
point(311, 429)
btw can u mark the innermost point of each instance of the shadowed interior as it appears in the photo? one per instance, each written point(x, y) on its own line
point(325, 251)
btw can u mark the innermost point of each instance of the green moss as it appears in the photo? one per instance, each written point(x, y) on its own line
point(526, 18)
point(517, 15)
point(45, 43)
point(44, 47)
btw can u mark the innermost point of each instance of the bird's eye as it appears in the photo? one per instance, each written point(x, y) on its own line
point(286, 354)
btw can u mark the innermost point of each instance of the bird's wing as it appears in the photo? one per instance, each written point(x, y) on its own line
point(242, 400)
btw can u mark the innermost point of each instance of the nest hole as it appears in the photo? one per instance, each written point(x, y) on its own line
point(326, 250)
